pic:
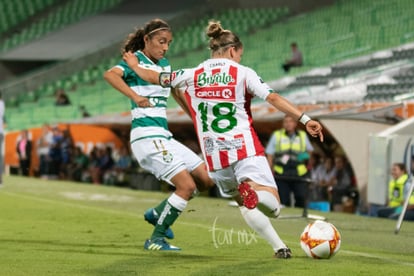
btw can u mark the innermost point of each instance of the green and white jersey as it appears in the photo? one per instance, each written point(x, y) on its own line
point(148, 122)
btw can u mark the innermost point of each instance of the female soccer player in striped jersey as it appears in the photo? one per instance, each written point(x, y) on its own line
point(218, 93)
point(152, 143)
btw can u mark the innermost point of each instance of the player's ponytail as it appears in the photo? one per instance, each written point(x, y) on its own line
point(221, 39)
point(135, 41)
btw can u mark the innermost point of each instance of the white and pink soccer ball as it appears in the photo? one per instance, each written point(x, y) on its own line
point(320, 240)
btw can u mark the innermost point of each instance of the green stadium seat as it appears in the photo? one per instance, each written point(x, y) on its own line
point(346, 29)
point(12, 101)
point(29, 96)
point(47, 90)
point(68, 13)
point(14, 12)
point(66, 113)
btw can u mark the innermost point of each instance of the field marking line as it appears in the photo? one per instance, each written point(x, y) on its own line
point(78, 204)
point(372, 256)
point(81, 206)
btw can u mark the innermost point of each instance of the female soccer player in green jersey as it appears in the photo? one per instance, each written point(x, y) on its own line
point(152, 143)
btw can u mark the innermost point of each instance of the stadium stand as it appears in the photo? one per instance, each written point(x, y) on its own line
point(338, 42)
point(13, 13)
point(89, 81)
point(338, 71)
point(358, 62)
point(68, 13)
point(241, 21)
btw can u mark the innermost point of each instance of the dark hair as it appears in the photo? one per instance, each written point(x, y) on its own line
point(293, 44)
point(135, 41)
point(401, 166)
point(221, 39)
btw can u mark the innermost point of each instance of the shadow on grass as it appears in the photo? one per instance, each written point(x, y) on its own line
point(110, 249)
point(163, 263)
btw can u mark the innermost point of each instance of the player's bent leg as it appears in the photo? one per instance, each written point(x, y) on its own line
point(268, 205)
point(265, 198)
point(184, 185)
point(152, 215)
point(202, 179)
point(173, 207)
point(248, 195)
point(261, 224)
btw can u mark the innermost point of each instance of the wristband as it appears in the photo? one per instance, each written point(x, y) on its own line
point(304, 118)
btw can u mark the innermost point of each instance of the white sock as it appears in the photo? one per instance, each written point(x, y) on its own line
point(261, 224)
point(177, 202)
point(268, 204)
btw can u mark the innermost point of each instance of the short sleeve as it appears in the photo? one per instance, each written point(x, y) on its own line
point(180, 77)
point(256, 86)
point(125, 68)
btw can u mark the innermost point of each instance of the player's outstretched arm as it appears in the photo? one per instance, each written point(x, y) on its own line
point(114, 78)
point(153, 77)
point(148, 75)
point(313, 127)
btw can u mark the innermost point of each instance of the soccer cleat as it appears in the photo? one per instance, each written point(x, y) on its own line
point(151, 217)
point(283, 253)
point(248, 195)
point(159, 244)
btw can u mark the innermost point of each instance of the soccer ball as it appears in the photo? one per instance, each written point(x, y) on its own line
point(320, 240)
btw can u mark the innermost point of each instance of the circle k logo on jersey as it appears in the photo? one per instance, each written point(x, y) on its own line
point(216, 93)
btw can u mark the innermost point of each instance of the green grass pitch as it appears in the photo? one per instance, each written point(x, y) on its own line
point(64, 228)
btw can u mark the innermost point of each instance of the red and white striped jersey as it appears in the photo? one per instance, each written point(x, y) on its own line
point(219, 93)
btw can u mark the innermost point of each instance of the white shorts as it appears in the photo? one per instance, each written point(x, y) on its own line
point(164, 158)
point(254, 168)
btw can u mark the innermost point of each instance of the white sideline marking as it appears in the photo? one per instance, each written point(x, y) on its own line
point(367, 255)
point(76, 205)
point(97, 197)
point(372, 256)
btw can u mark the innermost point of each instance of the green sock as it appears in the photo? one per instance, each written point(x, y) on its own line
point(167, 217)
point(160, 207)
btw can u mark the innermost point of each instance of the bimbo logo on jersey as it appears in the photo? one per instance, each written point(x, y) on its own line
point(217, 85)
point(216, 79)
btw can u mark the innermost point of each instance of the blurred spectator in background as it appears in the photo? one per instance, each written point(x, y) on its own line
point(44, 143)
point(287, 152)
point(93, 159)
point(61, 98)
point(324, 178)
point(412, 165)
point(314, 166)
point(409, 214)
point(84, 112)
point(78, 165)
point(24, 151)
point(396, 188)
point(118, 174)
point(103, 163)
point(295, 60)
point(340, 186)
point(2, 112)
point(55, 155)
point(66, 145)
